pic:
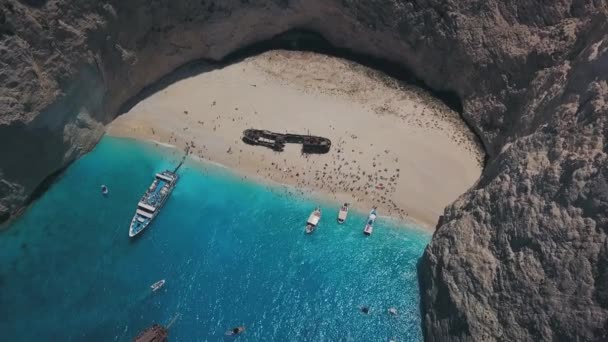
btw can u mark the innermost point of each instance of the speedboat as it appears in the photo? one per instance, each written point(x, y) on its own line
point(156, 286)
point(313, 221)
point(152, 201)
point(343, 213)
point(369, 226)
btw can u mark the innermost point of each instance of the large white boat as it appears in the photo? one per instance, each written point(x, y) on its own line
point(152, 201)
point(313, 221)
point(369, 226)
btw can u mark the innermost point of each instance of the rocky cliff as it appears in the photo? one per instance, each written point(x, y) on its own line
point(521, 256)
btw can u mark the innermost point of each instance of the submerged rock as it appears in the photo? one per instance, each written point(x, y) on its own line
point(521, 256)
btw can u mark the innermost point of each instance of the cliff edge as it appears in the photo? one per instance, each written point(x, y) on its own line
point(520, 256)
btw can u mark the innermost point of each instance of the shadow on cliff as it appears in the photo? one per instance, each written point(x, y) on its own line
point(301, 40)
point(44, 148)
point(296, 40)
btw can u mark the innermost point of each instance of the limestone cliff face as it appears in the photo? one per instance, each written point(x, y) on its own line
point(523, 255)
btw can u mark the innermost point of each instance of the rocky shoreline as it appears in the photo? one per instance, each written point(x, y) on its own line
point(520, 256)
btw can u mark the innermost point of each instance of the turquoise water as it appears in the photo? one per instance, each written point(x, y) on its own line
point(232, 252)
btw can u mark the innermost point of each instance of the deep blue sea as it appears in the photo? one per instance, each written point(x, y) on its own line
point(232, 252)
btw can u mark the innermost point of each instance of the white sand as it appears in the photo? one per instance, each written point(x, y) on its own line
point(381, 131)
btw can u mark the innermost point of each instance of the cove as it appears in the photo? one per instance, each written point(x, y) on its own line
point(233, 252)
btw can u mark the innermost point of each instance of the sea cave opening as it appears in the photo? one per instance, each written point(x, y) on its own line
point(417, 172)
point(396, 145)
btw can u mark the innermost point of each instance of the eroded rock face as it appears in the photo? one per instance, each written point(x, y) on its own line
point(521, 256)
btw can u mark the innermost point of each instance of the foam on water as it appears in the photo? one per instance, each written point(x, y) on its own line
point(232, 252)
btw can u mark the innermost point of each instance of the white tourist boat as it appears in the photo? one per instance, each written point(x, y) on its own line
point(313, 221)
point(343, 213)
point(369, 226)
point(152, 201)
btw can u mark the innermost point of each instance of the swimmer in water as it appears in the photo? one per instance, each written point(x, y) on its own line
point(235, 331)
point(365, 309)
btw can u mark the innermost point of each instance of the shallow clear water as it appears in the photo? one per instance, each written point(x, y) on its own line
point(232, 252)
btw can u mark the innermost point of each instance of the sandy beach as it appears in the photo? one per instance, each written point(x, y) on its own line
point(393, 145)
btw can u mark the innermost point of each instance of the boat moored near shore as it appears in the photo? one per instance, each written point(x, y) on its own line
point(369, 226)
point(152, 201)
point(343, 213)
point(313, 221)
point(155, 197)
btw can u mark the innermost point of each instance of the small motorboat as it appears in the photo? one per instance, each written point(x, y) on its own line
point(156, 286)
point(313, 221)
point(104, 190)
point(343, 213)
point(369, 226)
